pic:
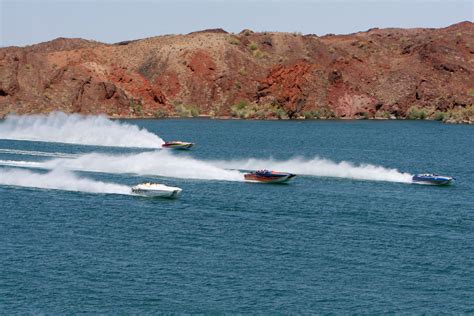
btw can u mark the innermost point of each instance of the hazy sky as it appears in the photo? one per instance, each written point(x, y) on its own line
point(25, 22)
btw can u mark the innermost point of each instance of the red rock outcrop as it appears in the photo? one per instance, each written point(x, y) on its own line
point(381, 72)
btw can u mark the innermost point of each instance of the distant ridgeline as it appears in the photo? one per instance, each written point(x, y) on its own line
point(380, 73)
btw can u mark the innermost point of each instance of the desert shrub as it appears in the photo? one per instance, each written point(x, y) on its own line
point(253, 46)
point(459, 115)
point(246, 110)
point(234, 41)
point(382, 114)
point(242, 72)
point(416, 113)
point(319, 113)
point(160, 113)
point(308, 115)
point(279, 112)
point(194, 111)
point(183, 110)
point(258, 54)
point(470, 92)
point(386, 114)
point(136, 107)
point(240, 109)
point(439, 116)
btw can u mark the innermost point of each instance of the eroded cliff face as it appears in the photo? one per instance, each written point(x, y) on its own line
point(378, 73)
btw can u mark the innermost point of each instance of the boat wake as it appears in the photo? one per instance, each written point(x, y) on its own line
point(35, 153)
point(167, 164)
point(157, 163)
point(320, 167)
point(59, 180)
point(77, 129)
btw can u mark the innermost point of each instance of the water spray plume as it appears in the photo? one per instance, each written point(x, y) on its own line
point(77, 129)
point(59, 180)
point(320, 167)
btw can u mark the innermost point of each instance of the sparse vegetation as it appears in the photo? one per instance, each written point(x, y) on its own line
point(416, 113)
point(242, 72)
point(470, 92)
point(245, 110)
point(183, 110)
point(439, 116)
point(320, 113)
point(383, 114)
point(460, 115)
point(136, 107)
point(160, 113)
point(234, 41)
point(253, 46)
point(258, 54)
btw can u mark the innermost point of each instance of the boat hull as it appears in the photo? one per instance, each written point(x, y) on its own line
point(271, 179)
point(156, 190)
point(157, 193)
point(177, 145)
point(432, 180)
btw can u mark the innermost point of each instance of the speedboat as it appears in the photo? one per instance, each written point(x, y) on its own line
point(268, 176)
point(176, 144)
point(431, 178)
point(156, 190)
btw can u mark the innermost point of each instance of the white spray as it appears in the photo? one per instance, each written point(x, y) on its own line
point(321, 168)
point(159, 163)
point(77, 129)
point(59, 180)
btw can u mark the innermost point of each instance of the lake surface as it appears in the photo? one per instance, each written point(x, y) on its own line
point(350, 234)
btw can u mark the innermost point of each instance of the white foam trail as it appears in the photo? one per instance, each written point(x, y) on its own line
point(59, 180)
point(159, 163)
point(77, 129)
point(35, 153)
point(321, 168)
point(163, 163)
point(22, 163)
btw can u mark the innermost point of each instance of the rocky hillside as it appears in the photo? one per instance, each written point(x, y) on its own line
point(379, 73)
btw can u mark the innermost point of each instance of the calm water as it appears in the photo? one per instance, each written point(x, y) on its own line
point(331, 243)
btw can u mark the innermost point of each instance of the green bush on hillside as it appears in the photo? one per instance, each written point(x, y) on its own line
point(416, 113)
point(136, 107)
point(245, 110)
point(439, 116)
point(319, 113)
point(160, 113)
point(183, 110)
point(460, 115)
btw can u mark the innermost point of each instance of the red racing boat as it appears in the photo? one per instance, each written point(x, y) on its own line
point(268, 176)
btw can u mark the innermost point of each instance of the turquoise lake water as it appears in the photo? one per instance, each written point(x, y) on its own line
point(350, 234)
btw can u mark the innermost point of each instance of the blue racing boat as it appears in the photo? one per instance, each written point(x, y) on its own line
point(431, 178)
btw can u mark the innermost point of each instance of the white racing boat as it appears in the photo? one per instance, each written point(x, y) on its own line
point(156, 190)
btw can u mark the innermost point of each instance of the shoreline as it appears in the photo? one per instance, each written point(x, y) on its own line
point(231, 118)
